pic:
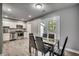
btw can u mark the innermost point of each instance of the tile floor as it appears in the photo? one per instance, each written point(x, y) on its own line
point(16, 48)
point(21, 48)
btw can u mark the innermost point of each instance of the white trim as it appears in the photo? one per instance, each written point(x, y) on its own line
point(72, 50)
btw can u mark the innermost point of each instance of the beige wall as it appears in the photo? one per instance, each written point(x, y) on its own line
point(35, 26)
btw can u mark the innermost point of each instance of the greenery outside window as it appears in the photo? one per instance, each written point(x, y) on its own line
point(52, 25)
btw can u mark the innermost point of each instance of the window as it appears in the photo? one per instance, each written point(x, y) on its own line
point(52, 25)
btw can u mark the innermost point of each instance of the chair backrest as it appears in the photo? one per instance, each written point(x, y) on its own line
point(32, 40)
point(30, 33)
point(39, 44)
point(62, 52)
point(51, 36)
point(45, 35)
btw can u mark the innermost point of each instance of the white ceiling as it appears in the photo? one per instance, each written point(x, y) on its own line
point(21, 11)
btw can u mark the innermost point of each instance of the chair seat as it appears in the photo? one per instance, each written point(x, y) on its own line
point(41, 46)
point(58, 52)
point(46, 49)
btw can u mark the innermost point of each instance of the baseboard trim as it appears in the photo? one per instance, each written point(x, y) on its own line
point(71, 50)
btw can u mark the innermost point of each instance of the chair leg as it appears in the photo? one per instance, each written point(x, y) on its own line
point(58, 45)
point(36, 52)
point(33, 50)
point(30, 51)
point(42, 53)
point(49, 53)
point(63, 54)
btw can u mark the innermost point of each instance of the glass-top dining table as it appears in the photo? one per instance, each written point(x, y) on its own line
point(51, 43)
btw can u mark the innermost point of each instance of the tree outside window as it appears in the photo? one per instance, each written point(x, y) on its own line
point(52, 25)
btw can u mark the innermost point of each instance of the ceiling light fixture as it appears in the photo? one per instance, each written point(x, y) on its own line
point(38, 6)
point(9, 9)
point(30, 16)
point(6, 16)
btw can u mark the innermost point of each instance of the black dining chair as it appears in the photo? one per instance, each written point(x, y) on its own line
point(41, 47)
point(45, 35)
point(32, 43)
point(60, 52)
point(52, 36)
